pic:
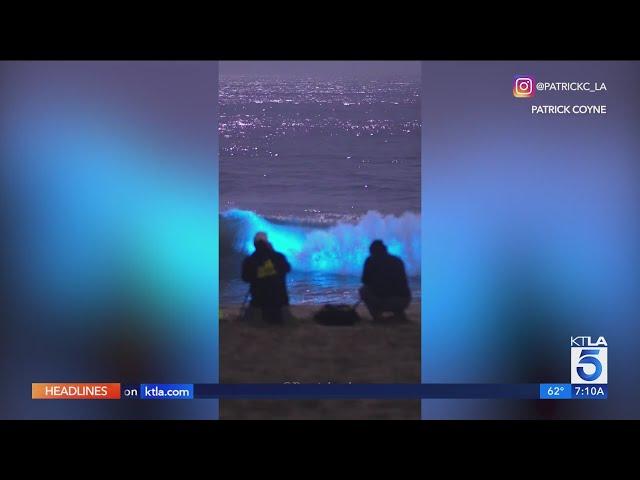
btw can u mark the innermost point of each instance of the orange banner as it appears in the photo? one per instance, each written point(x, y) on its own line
point(75, 391)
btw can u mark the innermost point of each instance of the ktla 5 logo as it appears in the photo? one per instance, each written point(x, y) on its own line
point(523, 87)
point(588, 360)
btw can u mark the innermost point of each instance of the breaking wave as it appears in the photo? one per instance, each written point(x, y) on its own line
point(340, 247)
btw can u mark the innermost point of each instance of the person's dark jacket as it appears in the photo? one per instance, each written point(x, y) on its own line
point(265, 270)
point(385, 276)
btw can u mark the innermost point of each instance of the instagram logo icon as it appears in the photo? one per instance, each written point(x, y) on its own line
point(523, 86)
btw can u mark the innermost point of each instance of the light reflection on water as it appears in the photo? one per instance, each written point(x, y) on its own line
point(310, 288)
point(343, 151)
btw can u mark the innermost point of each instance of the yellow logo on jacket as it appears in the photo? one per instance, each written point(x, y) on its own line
point(267, 269)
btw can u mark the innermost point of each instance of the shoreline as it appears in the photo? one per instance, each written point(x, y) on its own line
point(304, 313)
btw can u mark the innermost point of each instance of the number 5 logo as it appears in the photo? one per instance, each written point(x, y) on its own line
point(588, 365)
point(589, 357)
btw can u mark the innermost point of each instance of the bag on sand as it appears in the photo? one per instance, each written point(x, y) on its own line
point(337, 315)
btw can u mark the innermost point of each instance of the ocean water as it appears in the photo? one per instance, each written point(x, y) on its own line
point(324, 167)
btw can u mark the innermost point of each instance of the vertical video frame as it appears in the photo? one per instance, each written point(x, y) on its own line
point(319, 232)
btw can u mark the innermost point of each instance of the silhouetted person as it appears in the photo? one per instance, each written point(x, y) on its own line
point(265, 270)
point(385, 285)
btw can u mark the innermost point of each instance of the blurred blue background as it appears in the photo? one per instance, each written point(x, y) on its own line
point(109, 232)
point(530, 234)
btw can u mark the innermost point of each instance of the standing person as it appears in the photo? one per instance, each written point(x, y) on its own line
point(385, 285)
point(265, 270)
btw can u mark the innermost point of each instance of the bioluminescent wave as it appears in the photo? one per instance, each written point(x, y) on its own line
point(338, 249)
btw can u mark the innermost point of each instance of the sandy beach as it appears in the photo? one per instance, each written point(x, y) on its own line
point(302, 351)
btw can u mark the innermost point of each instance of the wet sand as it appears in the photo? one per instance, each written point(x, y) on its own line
point(302, 351)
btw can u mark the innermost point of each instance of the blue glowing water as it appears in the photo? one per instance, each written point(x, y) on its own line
point(338, 249)
point(326, 260)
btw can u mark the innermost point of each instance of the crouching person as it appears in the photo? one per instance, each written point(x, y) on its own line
point(265, 270)
point(385, 287)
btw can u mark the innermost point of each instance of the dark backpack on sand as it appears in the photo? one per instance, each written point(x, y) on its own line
point(337, 315)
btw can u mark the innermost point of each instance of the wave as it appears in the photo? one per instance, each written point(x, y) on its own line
point(339, 248)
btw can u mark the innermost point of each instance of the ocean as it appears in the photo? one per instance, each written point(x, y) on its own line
point(324, 167)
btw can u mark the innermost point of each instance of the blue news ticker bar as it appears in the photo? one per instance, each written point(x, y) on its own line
point(527, 391)
point(368, 391)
